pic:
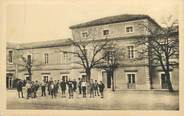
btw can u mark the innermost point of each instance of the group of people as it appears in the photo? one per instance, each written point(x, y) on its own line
point(52, 86)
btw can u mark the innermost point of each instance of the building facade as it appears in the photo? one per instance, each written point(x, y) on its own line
point(49, 60)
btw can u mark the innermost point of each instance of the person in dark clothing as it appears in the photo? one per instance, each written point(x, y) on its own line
point(101, 89)
point(20, 85)
point(43, 86)
point(56, 87)
point(96, 88)
point(79, 86)
point(36, 87)
point(63, 87)
point(92, 86)
point(74, 85)
point(33, 89)
point(70, 89)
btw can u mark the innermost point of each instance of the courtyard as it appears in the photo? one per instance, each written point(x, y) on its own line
point(118, 100)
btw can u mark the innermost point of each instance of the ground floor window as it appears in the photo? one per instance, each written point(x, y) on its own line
point(64, 78)
point(46, 78)
point(131, 80)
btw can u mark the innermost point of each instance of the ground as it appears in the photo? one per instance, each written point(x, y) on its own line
point(118, 100)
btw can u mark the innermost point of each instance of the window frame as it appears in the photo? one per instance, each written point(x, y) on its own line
point(131, 73)
point(103, 32)
point(127, 26)
point(46, 58)
point(84, 33)
point(131, 52)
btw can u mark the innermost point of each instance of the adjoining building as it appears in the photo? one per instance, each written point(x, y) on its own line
point(123, 30)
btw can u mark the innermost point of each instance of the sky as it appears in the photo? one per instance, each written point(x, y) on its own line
point(41, 20)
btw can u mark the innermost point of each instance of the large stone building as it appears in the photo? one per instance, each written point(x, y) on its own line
point(123, 30)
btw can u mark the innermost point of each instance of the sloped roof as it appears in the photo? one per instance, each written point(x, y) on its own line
point(11, 45)
point(41, 44)
point(113, 19)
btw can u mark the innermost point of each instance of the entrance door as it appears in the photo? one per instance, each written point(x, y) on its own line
point(9, 80)
point(131, 83)
point(106, 79)
point(164, 84)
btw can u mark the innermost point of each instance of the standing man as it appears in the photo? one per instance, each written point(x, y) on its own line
point(19, 86)
point(74, 85)
point(51, 88)
point(70, 89)
point(79, 86)
point(83, 85)
point(92, 86)
point(48, 84)
point(96, 88)
point(63, 87)
point(101, 88)
point(43, 86)
point(36, 88)
point(28, 88)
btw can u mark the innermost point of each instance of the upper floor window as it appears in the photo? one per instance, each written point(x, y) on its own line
point(66, 57)
point(110, 55)
point(46, 58)
point(129, 29)
point(84, 34)
point(130, 52)
point(106, 32)
point(10, 56)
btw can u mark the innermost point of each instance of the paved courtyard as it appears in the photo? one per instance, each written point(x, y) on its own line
point(119, 100)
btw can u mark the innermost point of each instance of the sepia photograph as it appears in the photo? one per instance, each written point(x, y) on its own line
point(90, 55)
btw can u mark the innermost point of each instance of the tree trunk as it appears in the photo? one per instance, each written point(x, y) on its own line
point(169, 82)
point(88, 75)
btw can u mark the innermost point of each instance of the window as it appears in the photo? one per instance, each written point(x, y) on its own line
point(66, 57)
point(46, 58)
point(64, 78)
point(29, 59)
point(130, 52)
point(105, 32)
point(10, 56)
point(110, 56)
point(131, 80)
point(129, 29)
point(84, 34)
point(46, 78)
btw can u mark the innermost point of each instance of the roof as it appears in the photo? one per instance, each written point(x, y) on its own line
point(11, 45)
point(41, 44)
point(113, 19)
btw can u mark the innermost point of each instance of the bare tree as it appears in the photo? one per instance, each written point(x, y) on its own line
point(113, 54)
point(162, 47)
point(90, 53)
point(27, 63)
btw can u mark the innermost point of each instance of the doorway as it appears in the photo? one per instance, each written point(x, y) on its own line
point(131, 80)
point(164, 84)
point(106, 79)
point(9, 80)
